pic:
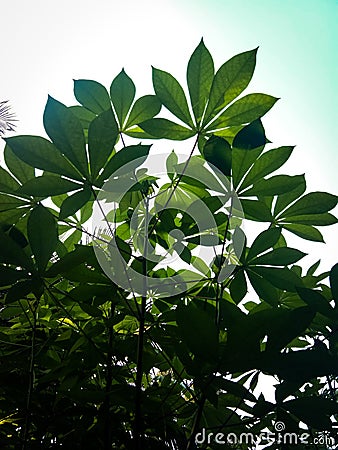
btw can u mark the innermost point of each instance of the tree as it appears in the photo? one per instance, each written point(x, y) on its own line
point(106, 344)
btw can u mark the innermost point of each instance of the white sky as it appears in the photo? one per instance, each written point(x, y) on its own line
point(47, 43)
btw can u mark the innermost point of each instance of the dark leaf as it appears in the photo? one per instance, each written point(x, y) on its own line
point(102, 136)
point(66, 132)
point(217, 151)
point(42, 235)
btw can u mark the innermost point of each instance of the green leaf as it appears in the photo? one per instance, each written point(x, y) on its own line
point(200, 74)
point(171, 95)
point(245, 110)
point(40, 153)
point(305, 232)
point(92, 95)
point(312, 219)
point(75, 202)
point(7, 183)
point(284, 200)
point(122, 94)
point(241, 161)
point(22, 171)
point(171, 162)
point(144, 108)
point(138, 133)
point(83, 114)
point(217, 151)
point(230, 80)
point(123, 157)
point(282, 278)
point(48, 185)
point(42, 235)
point(334, 283)
point(8, 202)
point(256, 210)
point(282, 256)
point(12, 253)
point(166, 129)
point(267, 163)
point(263, 241)
point(264, 289)
point(66, 132)
point(102, 136)
point(312, 203)
point(278, 184)
point(81, 254)
point(238, 287)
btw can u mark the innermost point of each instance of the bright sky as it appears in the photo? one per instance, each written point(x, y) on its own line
point(46, 44)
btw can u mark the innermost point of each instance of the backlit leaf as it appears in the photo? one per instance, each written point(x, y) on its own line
point(171, 95)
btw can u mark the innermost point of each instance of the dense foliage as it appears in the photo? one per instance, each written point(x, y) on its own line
point(86, 363)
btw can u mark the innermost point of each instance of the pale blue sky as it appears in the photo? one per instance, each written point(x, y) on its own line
point(48, 43)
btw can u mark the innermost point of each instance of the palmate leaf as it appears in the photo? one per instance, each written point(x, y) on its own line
point(143, 109)
point(171, 95)
point(75, 202)
point(263, 242)
point(278, 184)
point(66, 132)
point(92, 95)
point(166, 129)
point(122, 94)
point(22, 171)
point(243, 111)
point(200, 74)
point(40, 153)
point(282, 256)
point(267, 163)
point(304, 231)
point(7, 183)
point(103, 133)
point(123, 158)
point(42, 235)
point(48, 185)
point(312, 203)
point(230, 81)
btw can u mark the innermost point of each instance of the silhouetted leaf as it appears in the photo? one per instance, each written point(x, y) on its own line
point(66, 132)
point(42, 235)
